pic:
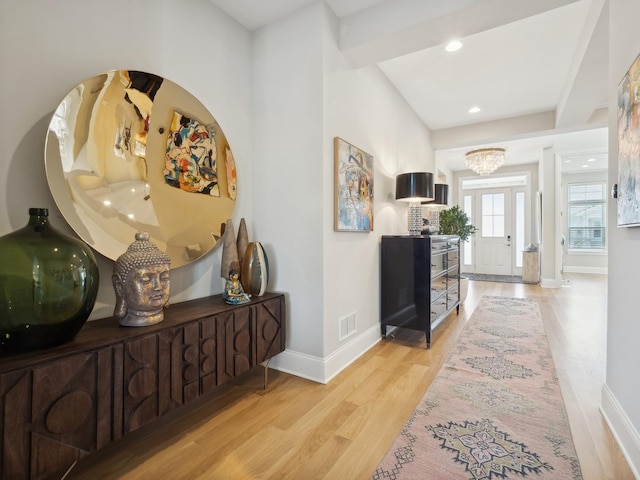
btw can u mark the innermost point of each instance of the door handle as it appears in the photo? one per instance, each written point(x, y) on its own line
point(508, 240)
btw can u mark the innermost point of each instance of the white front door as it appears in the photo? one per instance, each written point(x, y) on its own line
point(494, 236)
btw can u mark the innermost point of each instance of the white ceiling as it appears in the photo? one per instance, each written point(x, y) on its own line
point(542, 64)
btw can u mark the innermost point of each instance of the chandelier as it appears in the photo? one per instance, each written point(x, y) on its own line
point(484, 160)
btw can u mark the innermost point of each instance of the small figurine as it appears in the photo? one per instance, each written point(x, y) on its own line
point(141, 281)
point(233, 291)
point(425, 226)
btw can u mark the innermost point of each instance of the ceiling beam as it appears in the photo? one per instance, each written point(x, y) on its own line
point(586, 88)
point(394, 28)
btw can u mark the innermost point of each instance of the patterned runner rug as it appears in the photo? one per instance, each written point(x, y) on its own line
point(494, 411)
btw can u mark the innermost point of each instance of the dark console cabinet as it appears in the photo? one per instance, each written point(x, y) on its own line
point(419, 281)
point(60, 404)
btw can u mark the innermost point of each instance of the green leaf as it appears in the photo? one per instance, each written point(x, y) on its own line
point(454, 221)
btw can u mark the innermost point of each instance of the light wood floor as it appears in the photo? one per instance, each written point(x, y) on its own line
point(301, 430)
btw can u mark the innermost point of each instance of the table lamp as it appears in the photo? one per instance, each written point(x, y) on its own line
point(414, 187)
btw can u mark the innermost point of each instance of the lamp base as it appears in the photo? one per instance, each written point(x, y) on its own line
point(414, 218)
point(435, 218)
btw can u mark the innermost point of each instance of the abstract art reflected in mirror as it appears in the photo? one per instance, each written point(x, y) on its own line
point(129, 151)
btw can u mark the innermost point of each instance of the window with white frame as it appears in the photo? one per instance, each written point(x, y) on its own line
point(587, 219)
point(493, 218)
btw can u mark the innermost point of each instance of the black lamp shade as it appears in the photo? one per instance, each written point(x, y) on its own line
point(414, 186)
point(441, 195)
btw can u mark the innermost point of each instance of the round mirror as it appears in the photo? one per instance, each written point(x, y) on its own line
point(129, 151)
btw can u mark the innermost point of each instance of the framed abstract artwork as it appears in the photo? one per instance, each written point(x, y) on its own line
point(353, 188)
point(629, 147)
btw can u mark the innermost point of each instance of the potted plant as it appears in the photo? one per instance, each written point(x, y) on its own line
point(453, 221)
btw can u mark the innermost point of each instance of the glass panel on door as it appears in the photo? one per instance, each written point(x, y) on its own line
point(493, 214)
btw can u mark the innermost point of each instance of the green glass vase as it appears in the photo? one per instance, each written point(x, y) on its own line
point(48, 285)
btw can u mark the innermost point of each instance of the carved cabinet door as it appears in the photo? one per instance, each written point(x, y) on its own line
point(269, 318)
point(160, 374)
point(234, 343)
point(57, 413)
point(208, 355)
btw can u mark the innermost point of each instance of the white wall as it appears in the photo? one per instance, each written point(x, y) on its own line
point(363, 108)
point(305, 94)
point(550, 257)
point(47, 49)
point(576, 261)
point(288, 203)
point(622, 388)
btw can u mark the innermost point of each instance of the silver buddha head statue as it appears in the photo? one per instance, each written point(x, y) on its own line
point(141, 282)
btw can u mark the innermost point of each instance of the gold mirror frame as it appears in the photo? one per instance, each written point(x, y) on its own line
point(112, 165)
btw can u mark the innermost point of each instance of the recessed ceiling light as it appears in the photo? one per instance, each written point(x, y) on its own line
point(474, 109)
point(591, 160)
point(453, 46)
point(585, 166)
point(567, 161)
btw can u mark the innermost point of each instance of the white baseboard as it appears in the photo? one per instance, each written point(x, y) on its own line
point(322, 370)
point(623, 430)
point(578, 269)
point(550, 283)
point(299, 364)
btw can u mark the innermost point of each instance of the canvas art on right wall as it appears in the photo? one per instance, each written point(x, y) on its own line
point(629, 147)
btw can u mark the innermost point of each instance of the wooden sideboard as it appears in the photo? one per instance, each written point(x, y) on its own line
point(60, 404)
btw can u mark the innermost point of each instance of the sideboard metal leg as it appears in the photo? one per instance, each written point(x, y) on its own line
point(266, 373)
point(66, 474)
